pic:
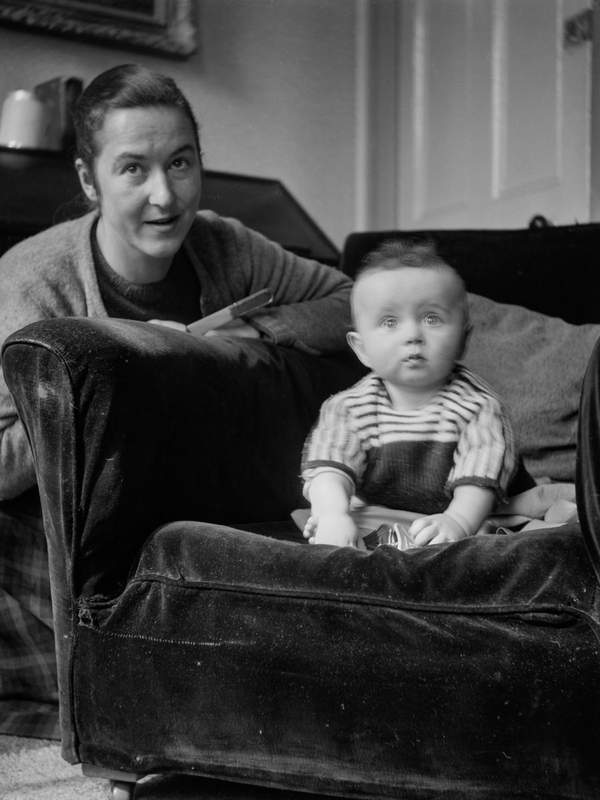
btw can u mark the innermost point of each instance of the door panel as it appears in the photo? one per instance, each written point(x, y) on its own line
point(494, 114)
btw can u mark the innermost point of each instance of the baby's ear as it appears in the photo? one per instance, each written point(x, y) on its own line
point(354, 340)
point(465, 339)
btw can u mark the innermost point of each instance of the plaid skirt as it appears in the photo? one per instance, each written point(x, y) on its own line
point(28, 683)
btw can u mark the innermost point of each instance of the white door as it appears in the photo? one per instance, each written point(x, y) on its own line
point(491, 114)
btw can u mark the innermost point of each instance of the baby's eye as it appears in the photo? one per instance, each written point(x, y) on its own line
point(431, 319)
point(388, 322)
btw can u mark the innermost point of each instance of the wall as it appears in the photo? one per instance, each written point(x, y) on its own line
point(273, 85)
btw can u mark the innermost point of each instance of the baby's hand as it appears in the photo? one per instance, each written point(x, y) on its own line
point(337, 529)
point(435, 529)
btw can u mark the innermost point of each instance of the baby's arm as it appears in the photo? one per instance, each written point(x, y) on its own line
point(469, 507)
point(329, 493)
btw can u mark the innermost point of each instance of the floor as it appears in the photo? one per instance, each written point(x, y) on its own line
point(33, 769)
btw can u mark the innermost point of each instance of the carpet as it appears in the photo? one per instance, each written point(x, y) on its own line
point(33, 769)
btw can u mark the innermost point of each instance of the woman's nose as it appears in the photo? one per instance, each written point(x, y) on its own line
point(161, 193)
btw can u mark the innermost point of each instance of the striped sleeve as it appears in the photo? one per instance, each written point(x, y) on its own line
point(334, 443)
point(486, 454)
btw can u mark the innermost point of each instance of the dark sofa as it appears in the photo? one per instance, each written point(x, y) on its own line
point(190, 642)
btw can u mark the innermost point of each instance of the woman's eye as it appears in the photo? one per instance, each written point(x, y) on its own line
point(132, 169)
point(432, 319)
point(180, 163)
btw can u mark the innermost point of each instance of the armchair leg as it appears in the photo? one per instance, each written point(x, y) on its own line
point(121, 784)
point(121, 790)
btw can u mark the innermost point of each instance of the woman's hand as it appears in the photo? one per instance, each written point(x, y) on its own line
point(236, 328)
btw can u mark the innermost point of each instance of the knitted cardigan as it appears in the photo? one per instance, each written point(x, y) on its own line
point(52, 274)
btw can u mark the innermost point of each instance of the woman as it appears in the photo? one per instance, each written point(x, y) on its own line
point(143, 252)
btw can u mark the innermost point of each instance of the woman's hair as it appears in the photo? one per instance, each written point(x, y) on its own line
point(125, 86)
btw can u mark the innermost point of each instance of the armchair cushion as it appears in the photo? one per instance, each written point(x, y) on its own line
point(536, 363)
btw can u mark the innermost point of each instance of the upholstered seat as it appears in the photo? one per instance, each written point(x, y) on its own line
point(334, 670)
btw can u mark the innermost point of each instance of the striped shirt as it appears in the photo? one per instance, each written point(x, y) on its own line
point(413, 460)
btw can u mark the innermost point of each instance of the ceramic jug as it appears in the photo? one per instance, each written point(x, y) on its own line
point(26, 121)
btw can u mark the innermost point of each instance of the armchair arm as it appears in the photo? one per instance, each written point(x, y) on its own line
point(133, 425)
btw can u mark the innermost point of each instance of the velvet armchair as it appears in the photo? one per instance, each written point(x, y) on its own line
point(197, 633)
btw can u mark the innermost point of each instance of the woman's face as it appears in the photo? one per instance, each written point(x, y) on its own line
point(147, 181)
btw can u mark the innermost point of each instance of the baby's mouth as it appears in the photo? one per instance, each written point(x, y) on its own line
point(414, 358)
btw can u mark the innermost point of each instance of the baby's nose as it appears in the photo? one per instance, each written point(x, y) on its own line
point(412, 332)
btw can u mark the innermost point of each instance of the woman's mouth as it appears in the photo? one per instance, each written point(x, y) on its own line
point(163, 222)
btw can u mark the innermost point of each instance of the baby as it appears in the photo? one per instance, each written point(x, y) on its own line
point(419, 433)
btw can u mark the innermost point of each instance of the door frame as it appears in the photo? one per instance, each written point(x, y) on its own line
point(595, 115)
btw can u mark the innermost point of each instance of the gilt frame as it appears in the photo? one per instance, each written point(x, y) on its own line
point(160, 26)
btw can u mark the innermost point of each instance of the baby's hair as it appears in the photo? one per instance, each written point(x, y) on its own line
point(404, 252)
point(413, 251)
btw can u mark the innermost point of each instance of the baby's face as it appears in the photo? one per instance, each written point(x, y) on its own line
point(410, 326)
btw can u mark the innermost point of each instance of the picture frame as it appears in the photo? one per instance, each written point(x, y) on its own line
point(160, 26)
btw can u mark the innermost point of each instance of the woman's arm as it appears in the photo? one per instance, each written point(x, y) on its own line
point(40, 277)
point(310, 309)
point(17, 309)
point(17, 473)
